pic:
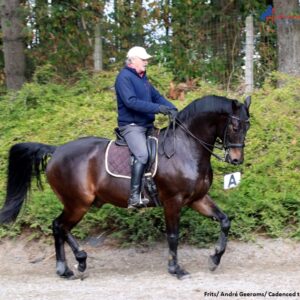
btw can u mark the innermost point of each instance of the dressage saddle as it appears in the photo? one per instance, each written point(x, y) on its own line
point(148, 182)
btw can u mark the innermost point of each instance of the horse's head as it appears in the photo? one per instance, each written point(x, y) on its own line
point(235, 132)
point(213, 117)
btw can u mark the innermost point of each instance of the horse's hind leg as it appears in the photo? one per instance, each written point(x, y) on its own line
point(80, 255)
point(208, 208)
point(61, 232)
point(59, 235)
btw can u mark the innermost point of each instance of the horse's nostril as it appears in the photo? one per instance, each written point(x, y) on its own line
point(235, 161)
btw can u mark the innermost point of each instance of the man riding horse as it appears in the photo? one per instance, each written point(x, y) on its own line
point(138, 102)
point(78, 175)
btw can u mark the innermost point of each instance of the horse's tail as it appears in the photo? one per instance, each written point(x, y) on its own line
point(26, 160)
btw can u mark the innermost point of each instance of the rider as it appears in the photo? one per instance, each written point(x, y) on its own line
point(138, 102)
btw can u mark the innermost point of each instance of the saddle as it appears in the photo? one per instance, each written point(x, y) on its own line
point(152, 145)
point(118, 161)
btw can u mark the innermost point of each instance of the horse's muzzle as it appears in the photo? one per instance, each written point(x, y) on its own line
point(234, 156)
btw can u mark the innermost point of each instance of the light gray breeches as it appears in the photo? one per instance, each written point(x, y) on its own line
point(136, 138)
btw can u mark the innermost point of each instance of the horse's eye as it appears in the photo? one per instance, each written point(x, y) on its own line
point(234, 126)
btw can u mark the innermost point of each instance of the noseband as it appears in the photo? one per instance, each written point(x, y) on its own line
point(225, 145)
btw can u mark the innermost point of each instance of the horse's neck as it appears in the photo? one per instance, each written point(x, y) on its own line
point(203, 130)
point(188, 140)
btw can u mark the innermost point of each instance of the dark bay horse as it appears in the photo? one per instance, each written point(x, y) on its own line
point(77, 175)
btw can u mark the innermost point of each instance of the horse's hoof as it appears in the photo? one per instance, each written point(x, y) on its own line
point(81, 257)
point(179, 272)
point(183, 275)
point(63, 270)
point(212, 265)
point(80, 275)
point(80, 267)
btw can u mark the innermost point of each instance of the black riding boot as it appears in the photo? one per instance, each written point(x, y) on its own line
point(137, 172)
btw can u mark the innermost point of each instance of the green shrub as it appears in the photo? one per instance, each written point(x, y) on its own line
point(44, 74)
point(266, 202)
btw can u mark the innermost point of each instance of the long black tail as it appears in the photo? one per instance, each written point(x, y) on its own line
point(26, 160)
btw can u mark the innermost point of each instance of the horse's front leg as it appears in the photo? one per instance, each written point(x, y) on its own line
point(172, 217)
point(208, 208)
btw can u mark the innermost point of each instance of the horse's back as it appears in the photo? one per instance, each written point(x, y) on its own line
point(79, 150)
point(75, 167)
point(80, 147)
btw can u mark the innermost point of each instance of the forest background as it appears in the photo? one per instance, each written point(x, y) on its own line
point(58, 62)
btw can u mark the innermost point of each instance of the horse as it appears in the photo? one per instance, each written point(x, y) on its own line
point(76, 174)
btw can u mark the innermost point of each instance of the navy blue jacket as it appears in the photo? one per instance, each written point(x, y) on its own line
point(138, 100)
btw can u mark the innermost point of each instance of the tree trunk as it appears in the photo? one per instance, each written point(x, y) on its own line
point(98, 50)
point(287, 17)
point(249, 55)
point(138, 22)
point(125, 24)
point(13, 46)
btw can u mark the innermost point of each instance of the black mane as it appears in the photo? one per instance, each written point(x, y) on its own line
point(207, 104)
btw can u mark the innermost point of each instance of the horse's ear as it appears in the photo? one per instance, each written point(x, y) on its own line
point(248, 101)
point(235, 104)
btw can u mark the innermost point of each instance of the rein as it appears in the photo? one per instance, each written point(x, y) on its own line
point(201, 142)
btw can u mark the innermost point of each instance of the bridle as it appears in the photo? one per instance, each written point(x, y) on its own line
point(225, 145)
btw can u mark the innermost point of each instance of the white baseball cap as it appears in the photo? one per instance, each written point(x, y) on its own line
point(139, 52)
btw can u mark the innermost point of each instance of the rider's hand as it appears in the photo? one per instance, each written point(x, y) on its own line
point(163, 109)
point(166, 110)
point(173, 113)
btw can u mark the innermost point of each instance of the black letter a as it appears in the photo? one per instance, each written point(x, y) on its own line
point(231, 181)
